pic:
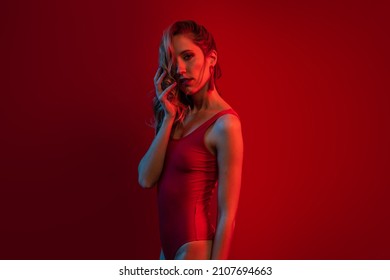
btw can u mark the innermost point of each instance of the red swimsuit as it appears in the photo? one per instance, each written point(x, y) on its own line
point(185, 187)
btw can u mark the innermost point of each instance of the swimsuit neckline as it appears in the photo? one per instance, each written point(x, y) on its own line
point(200, 126)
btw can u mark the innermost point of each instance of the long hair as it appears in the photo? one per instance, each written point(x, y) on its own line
point(205, 41)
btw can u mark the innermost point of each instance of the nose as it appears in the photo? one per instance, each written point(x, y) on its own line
point(180, 67)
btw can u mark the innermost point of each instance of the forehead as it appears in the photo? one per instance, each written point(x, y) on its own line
point(182, 43)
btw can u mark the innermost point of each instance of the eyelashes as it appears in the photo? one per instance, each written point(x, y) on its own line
point(187, 56)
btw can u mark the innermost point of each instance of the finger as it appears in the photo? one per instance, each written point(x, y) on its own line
point(158, 83)
point(159, 80)
point(167, 90)
point(158, 73)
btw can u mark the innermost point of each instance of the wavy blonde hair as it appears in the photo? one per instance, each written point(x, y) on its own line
point(205, 41)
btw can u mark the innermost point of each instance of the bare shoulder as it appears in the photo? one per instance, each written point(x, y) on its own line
point(227, 123)
point(225, 132)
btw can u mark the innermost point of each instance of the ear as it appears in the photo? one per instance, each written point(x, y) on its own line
point(213, 57)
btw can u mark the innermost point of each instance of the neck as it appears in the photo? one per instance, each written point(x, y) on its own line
point(205, 99)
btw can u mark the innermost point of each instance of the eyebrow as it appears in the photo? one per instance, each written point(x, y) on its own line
point(185, 51)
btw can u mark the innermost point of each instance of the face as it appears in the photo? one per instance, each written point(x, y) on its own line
point(191, 67)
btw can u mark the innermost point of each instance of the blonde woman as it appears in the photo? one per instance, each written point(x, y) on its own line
point(197, 148)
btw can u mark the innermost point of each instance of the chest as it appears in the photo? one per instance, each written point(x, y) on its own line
point(197, 125)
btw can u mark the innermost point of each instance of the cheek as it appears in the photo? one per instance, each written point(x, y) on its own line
point(197, 69)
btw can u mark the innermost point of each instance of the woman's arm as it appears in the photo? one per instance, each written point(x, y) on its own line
point(230, 156)
point(150, 166)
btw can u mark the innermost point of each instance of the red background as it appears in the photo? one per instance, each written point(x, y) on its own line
point(309, 79)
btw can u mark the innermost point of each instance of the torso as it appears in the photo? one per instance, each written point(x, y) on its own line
point(186, 200)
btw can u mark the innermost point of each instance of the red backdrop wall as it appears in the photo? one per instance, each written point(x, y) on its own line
point(309, 80)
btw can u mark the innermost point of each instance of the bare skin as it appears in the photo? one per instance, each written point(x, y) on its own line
point(194, 250)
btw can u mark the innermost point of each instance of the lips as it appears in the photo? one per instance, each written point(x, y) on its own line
point(185, 81)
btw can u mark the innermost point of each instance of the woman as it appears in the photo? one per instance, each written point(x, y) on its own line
point(198, 145)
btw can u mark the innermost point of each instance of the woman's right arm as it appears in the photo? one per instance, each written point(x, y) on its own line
point(151, 165)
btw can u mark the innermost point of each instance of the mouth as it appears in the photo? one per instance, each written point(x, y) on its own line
point(185, 81)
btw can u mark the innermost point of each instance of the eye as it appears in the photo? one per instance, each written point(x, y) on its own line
point(187, 56)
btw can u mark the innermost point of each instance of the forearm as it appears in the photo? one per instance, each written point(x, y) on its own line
point(150, 166)
point(223, 238)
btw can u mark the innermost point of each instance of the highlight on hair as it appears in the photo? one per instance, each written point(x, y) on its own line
point(205, 41)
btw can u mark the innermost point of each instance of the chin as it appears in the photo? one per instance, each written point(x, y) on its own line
point(193, 91)
point(188, 91)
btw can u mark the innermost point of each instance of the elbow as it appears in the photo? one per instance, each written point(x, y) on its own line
point(144, 183)
point(143, 179)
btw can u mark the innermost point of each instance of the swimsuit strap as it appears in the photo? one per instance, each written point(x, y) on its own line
point(204, 126)
point(210, 121)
